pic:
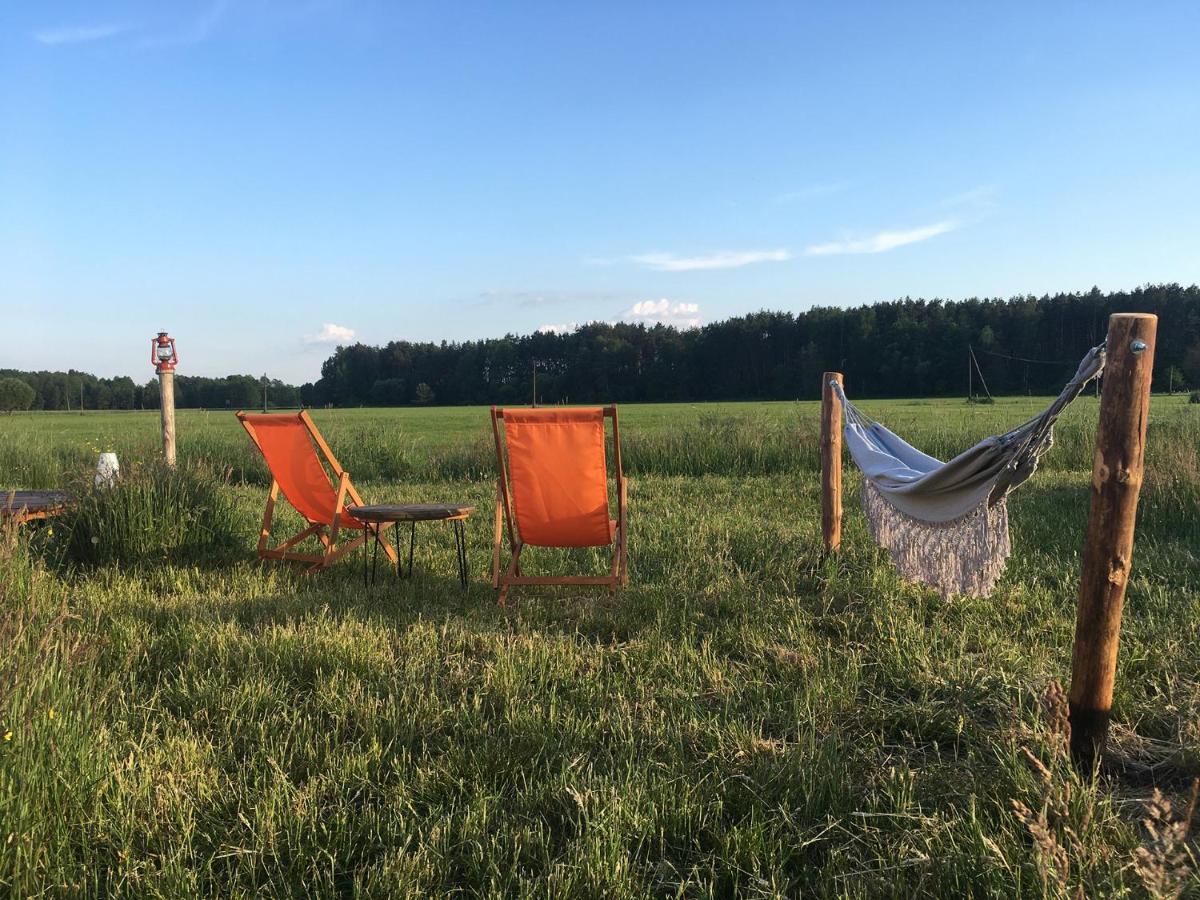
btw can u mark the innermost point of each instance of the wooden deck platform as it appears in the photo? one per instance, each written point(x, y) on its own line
point(22, 506)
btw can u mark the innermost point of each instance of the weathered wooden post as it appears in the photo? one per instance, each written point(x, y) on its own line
point(1108, 549)
point(831, 463)
point(164, 357)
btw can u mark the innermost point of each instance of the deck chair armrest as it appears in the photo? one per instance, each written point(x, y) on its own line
point(339, 506)
point(354, 495)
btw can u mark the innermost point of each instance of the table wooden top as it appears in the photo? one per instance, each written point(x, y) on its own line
point(410, 512)
point(32, 504)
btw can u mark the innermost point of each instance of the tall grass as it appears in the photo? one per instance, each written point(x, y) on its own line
point(746, 719)
point(455, 444)
point(52, 764)
point(152, 515)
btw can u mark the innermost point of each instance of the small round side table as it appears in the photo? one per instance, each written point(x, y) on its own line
point(394, 514)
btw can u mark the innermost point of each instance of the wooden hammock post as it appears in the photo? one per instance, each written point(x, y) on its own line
point(831, 464)
point(1108, 549)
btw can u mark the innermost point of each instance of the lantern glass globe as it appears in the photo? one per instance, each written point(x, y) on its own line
point(164, 353)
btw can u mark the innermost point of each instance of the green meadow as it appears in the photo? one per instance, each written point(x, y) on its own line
point(745, 719)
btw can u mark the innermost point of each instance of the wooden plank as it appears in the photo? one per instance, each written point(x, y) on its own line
point(24, 506)
point(410, 512)
point(550, 580)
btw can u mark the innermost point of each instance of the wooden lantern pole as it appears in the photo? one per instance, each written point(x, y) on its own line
point(1108, 550)
point(162, 354)
point(831, 463)
point(166, 391)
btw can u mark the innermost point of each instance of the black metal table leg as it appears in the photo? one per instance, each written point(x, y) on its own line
point(412, 543)
point(375, 518)
point(400, 569)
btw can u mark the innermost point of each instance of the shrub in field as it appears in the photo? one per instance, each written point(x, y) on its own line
point(153, 514)
point(15, 395)
point(1194, 397)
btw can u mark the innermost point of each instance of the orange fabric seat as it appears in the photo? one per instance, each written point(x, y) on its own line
point(553, 491)
point(297, 456)
point(559, 476)
point(290, 455)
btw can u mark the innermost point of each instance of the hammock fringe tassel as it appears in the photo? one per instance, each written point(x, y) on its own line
point(962, 556)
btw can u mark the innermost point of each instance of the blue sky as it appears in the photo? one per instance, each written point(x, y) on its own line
point(268, 178)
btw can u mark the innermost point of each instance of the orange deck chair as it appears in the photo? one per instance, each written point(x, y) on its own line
point(287, 444)
point(553, 490)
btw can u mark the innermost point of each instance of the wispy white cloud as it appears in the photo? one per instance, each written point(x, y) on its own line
point(80, 34)
point(725, 259)
point(560, 328)
point(196, 31)
point(811, 192)
point(881, 242)
point(681, 315)
point(331, 334)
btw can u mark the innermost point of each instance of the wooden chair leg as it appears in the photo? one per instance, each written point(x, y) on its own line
point(512, 572)
point(624, 550)
point(264, 536)
point(615, 573)
point(496, 547)
point(623, 528)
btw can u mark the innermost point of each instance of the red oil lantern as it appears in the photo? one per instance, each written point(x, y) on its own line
point(162, 353)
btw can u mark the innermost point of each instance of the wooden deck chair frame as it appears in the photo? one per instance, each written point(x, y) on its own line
point(511, 574)
point(326, 535)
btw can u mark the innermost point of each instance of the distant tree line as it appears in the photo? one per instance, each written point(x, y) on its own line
point(903, 348)
point(74, 390)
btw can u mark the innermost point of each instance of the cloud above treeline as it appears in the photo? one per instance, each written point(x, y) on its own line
point(647, 312)
point(331, 334)
point(681, 315)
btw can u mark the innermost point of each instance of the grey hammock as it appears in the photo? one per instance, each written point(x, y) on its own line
point(946, 524)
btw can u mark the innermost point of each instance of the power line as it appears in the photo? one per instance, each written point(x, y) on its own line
point(1044, 362)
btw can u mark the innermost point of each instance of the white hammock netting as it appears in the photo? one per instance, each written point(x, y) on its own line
point(945, 524)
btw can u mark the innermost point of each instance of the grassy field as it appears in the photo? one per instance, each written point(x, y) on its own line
point(743, 720)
